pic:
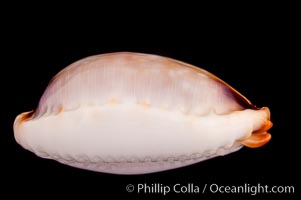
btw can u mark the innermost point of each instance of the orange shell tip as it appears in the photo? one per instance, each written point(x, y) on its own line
point(257, 140)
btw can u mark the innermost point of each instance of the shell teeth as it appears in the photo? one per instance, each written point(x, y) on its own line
point(195, 156)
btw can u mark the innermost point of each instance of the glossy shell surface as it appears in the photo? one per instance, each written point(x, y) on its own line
point(132, 113)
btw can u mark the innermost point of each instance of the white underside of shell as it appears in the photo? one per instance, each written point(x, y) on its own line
point(133, 138)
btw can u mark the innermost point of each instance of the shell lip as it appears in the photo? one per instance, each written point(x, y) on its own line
point(259, 137)
point(24, 117)
point(257, 140)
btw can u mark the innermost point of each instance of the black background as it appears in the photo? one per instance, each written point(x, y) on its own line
point(254, 60)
